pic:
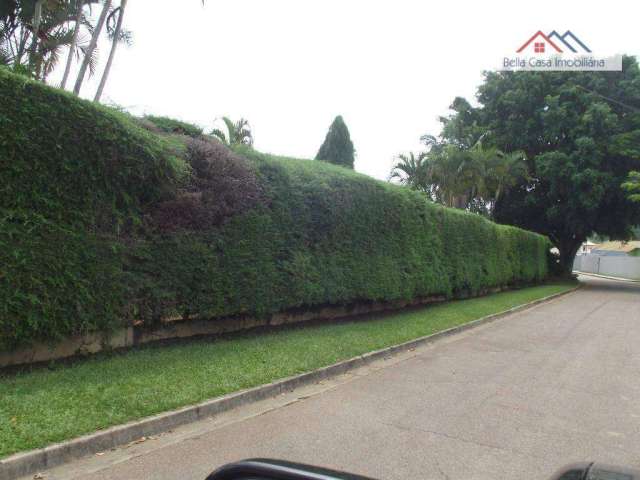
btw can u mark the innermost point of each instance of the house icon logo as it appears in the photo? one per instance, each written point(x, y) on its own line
point(555, 52)
point(554, 43)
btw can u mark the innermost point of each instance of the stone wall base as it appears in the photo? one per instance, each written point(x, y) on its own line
point(83, 345)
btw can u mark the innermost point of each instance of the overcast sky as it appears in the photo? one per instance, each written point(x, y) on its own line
point(390, 68)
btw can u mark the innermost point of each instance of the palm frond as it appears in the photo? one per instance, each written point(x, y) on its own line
point(220, 135)
point(93, 59)
point(230, 127)
point(125, 37)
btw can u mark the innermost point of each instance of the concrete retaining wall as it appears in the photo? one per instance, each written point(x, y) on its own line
point(612, 266)
point(173, 329)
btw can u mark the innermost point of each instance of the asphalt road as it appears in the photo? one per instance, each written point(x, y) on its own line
point(514, 399)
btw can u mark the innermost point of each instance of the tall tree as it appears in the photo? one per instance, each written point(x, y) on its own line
point(580, 132)
point(117, 37)
point(92, 46)
point(337, 147)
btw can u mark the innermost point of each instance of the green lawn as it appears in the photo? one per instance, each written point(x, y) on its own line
point(49, 405)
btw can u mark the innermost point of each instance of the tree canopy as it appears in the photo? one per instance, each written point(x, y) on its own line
point(337, 147)
point(580, 132)
point(457, 169)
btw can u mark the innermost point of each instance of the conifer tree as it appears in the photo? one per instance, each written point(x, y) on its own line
point(337, 147)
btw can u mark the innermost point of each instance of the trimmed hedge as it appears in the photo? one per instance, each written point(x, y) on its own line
point(171, 125)
point(331, 236)
point(72, 161)
point(74, 176)
point(78, 255)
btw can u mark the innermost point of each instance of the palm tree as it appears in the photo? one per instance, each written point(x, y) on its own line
point(117, 36)
point(238, 133)
point(505, 170)
point(37, 19)
point(460, 177)
point(92, 46)
point(57, 31)
point(410, 170)
point(32, 33)
point(448, 181)
point(482, 175)
point(48, 54)
point(74, 41)
point(470, 176)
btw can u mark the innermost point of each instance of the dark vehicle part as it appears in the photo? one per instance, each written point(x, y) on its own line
point(595, 471)
point(265, 469)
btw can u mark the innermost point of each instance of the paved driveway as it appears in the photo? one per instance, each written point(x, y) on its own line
point(514, 399)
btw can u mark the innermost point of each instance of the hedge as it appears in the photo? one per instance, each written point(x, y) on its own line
point(171, 125)
point(73, 177)
point(78, 254)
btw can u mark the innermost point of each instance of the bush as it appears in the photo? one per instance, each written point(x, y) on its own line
point(103, 223)
point(171, 125)
point(223, 184)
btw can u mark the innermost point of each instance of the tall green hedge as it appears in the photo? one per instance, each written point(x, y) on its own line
point(75, 256)
point(331, 236)
point(73, 177)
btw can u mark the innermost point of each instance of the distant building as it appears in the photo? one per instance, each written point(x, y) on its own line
point(612, 259)
point(586, 248)
point(618, 248)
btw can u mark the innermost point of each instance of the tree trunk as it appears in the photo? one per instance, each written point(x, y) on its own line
point(22, 46)
point(92, 47)
point(568, 249)
point(498, 193)
point(41, 64)
point(37, 18)
point(460, 202)
point(112, 53)
point(74, 43)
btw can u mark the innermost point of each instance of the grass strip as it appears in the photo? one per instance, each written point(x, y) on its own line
point(44, 406)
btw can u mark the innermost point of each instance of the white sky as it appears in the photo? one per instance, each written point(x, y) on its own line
point(390, 68)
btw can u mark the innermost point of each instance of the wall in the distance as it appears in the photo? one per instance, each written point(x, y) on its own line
point(612, 266)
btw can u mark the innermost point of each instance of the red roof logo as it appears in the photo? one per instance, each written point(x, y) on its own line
point(540, 42)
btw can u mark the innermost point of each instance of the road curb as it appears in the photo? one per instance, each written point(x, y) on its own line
point(608, 277)
point(33, 461)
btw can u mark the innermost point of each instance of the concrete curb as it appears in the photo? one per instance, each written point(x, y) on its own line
point(608, 277)
point(33, 461)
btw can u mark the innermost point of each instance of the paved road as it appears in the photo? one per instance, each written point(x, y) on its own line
point(513, 399)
